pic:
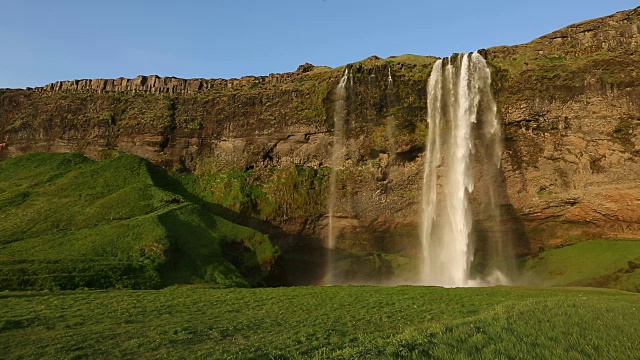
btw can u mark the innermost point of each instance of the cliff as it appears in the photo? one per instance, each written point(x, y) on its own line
point(170, 85)
point(569, 104)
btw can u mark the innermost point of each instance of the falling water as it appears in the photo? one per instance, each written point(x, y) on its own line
point(337, 156)
point(391, 120)
point(463, 144)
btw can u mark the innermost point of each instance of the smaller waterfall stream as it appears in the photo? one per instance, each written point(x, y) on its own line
point(337, 158)
point(391, 120)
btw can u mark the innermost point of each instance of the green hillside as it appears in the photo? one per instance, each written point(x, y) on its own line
point(600, 263)
point(69, 222)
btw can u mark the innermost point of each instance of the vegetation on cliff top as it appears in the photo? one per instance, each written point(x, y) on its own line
point(322, 323)
point(69, 222)
point(595, 55)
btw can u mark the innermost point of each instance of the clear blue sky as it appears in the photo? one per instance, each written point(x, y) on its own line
point(47, 40)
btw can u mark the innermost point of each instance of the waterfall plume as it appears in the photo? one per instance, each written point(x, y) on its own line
point(463, 149)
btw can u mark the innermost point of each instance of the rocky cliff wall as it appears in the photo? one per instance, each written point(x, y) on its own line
point(569, 103)
point(170, 85)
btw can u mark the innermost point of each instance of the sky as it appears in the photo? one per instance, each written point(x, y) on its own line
point(46, 41)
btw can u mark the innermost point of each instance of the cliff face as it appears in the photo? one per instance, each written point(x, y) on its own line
point(569, 103)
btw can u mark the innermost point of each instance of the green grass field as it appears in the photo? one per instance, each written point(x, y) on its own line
point(612, 264)
point(322, 323)
point(69, 222)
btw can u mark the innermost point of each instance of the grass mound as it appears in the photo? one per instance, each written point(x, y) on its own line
point(352, 322)
point(601, 263)
point(69, 222)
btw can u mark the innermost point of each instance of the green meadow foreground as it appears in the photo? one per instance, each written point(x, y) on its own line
point(322, 322)
point(70, 223)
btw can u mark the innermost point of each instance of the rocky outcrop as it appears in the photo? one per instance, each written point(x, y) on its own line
point(577, 166)
point(569, 103)
point(171, 85)
point(618, 32)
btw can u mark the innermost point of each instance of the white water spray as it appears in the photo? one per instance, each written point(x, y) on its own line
point(337, 157)
point(459, 99)
point(391, 121)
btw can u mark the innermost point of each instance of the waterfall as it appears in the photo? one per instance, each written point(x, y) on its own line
point(337, 157)
point(432, 160)
point(391, 120)
point(462, 147)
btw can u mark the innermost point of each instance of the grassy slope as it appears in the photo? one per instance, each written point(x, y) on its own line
point(602, 263)
point(322, 322)
point(70, 222)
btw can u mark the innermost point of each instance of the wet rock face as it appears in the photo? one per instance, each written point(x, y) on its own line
point(569, 103)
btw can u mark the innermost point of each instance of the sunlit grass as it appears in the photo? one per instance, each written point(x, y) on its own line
point(322, 322)
point(602, 263)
